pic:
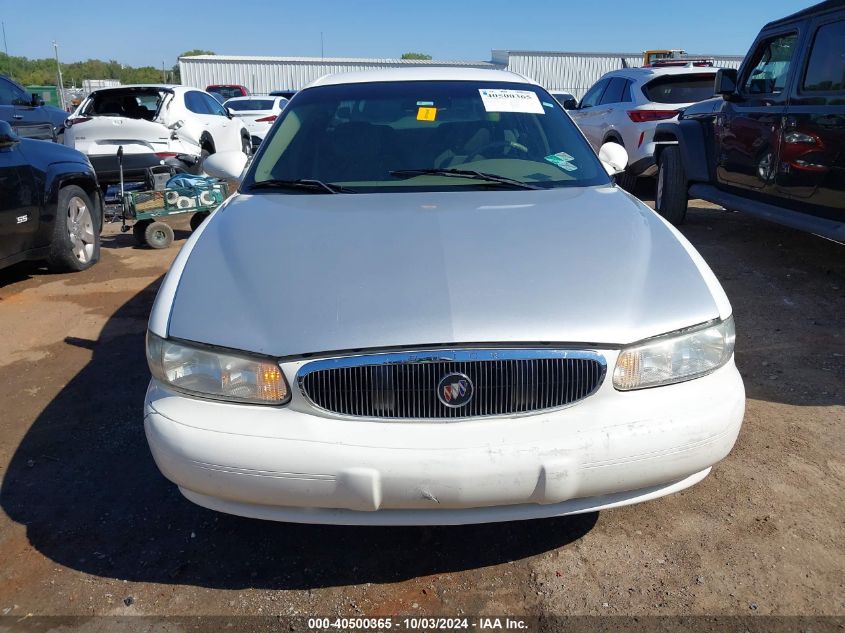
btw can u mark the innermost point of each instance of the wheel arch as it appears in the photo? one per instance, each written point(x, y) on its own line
point(207, 143)
point(688, 136)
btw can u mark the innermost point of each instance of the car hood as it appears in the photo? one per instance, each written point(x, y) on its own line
point(286, 275)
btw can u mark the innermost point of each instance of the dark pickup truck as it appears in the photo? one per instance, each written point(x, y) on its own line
point(773, 143)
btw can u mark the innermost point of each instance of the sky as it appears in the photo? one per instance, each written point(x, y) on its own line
point(156, 31)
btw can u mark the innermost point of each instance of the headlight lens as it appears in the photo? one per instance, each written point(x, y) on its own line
point(216, 374)
point(675, 358)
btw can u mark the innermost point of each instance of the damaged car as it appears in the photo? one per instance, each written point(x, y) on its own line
point(175, 126)
point(429, 303)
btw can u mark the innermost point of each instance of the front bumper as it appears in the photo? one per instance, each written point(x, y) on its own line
point(288, 464)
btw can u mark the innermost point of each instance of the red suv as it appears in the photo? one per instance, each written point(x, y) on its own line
point(222, 92)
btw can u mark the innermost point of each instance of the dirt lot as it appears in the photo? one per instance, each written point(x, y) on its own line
point(88, 525)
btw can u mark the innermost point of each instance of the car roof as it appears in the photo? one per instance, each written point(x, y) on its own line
point(821, 7)
point(428, 73)
point(659, 71)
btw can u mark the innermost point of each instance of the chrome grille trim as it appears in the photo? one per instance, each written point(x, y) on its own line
point(402, 385)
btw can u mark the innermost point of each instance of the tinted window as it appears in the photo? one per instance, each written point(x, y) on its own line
point(770, 65)
point(359, 134)
point(615, 91)
point(680, 88)
point(250, 104)
point(227, 92)
point(195, 102)
point(594, 94)
point(11, 94)
point(214, 107)
point(133, 103)
point(826, 69)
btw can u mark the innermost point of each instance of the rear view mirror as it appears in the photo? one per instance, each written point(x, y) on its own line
point(726, 79)
point(614, 158)
point(225, 165)
point(570, 104)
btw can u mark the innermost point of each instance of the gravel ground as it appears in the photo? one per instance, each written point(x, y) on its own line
point(89, 527)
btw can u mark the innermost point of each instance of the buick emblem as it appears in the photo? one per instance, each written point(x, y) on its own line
point(455, 390)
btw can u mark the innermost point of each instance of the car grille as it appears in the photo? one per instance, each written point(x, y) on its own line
point(406, 385)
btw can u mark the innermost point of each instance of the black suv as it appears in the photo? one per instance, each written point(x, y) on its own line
point(773, 143)
point(27, 114)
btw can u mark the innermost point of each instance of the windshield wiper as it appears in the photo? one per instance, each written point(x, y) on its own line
point(311, 184)
point(463, 173)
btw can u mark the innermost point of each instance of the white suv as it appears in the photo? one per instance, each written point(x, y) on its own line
point(625, 106)
point(154, 124)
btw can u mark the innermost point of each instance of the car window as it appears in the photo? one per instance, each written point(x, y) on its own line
point(680, 88)
point(358, 134)
point(227, 92)
point(195, 103)
point(250, 104)
point(214, 106)
point(770, 65)
point(826, 68)
point(11, 94)
point(615, 91)
point(134, 103)
point(594, 94)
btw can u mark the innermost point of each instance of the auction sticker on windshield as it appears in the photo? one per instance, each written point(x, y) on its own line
point(502, 100)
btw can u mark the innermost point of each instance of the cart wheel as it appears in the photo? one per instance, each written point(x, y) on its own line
point(197, 219)
point(158, 235)
point(138, 231)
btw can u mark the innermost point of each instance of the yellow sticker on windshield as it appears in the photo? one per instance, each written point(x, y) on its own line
point(426, 114)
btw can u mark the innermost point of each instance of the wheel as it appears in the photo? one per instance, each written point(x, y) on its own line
point(246, 146)
point(670, 201)
point(158, 235)
point(139, 231)
point(76, 232)
point(197, 219)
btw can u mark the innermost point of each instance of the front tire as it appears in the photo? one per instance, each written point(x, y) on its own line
point(246, 146)
point(670, 201)
point(76, 232)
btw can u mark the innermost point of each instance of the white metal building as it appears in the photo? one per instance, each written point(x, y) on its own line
point(564, 71)
point(261, 75)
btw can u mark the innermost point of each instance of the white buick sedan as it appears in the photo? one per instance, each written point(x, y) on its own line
point(429, 303)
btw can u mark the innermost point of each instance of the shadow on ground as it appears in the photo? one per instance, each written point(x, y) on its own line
point(84, 484)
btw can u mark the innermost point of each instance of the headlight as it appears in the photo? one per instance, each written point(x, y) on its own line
point(675, 357)
point(216, 374)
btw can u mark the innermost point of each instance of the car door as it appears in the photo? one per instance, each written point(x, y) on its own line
point(608, 107)
point(811, 168)
point(19, 202)
point(227, 133)
point(585, 116)
point(16, 107)
point(201, 121)
point(749, 127)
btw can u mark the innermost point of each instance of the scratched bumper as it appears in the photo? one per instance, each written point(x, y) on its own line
point(289, 464)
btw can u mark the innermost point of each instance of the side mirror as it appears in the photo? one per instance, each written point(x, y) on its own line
point(726, 79)
point(36, 100)
point(225, 165)
point(614, 158)
point(228, 112)
point(7, 135)
point(570, 104)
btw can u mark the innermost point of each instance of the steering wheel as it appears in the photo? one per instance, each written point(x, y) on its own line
point(500, 144)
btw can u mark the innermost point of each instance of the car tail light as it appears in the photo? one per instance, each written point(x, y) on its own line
point(164, 155)
point(267, 119)
point(76, 121)
point(644, 116)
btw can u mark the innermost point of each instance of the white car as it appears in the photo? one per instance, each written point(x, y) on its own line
point(625, 106)
point(429, 303)
point(154, 124)
point(258, 114)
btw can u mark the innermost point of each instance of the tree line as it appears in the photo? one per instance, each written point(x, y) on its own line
point(42, 72)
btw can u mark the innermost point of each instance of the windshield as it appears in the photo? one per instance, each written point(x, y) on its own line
point(227, 92)
point(680, 88)
point(359, 136)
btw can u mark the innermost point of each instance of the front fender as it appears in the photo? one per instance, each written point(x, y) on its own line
point(61, 174)
point(689, 137)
